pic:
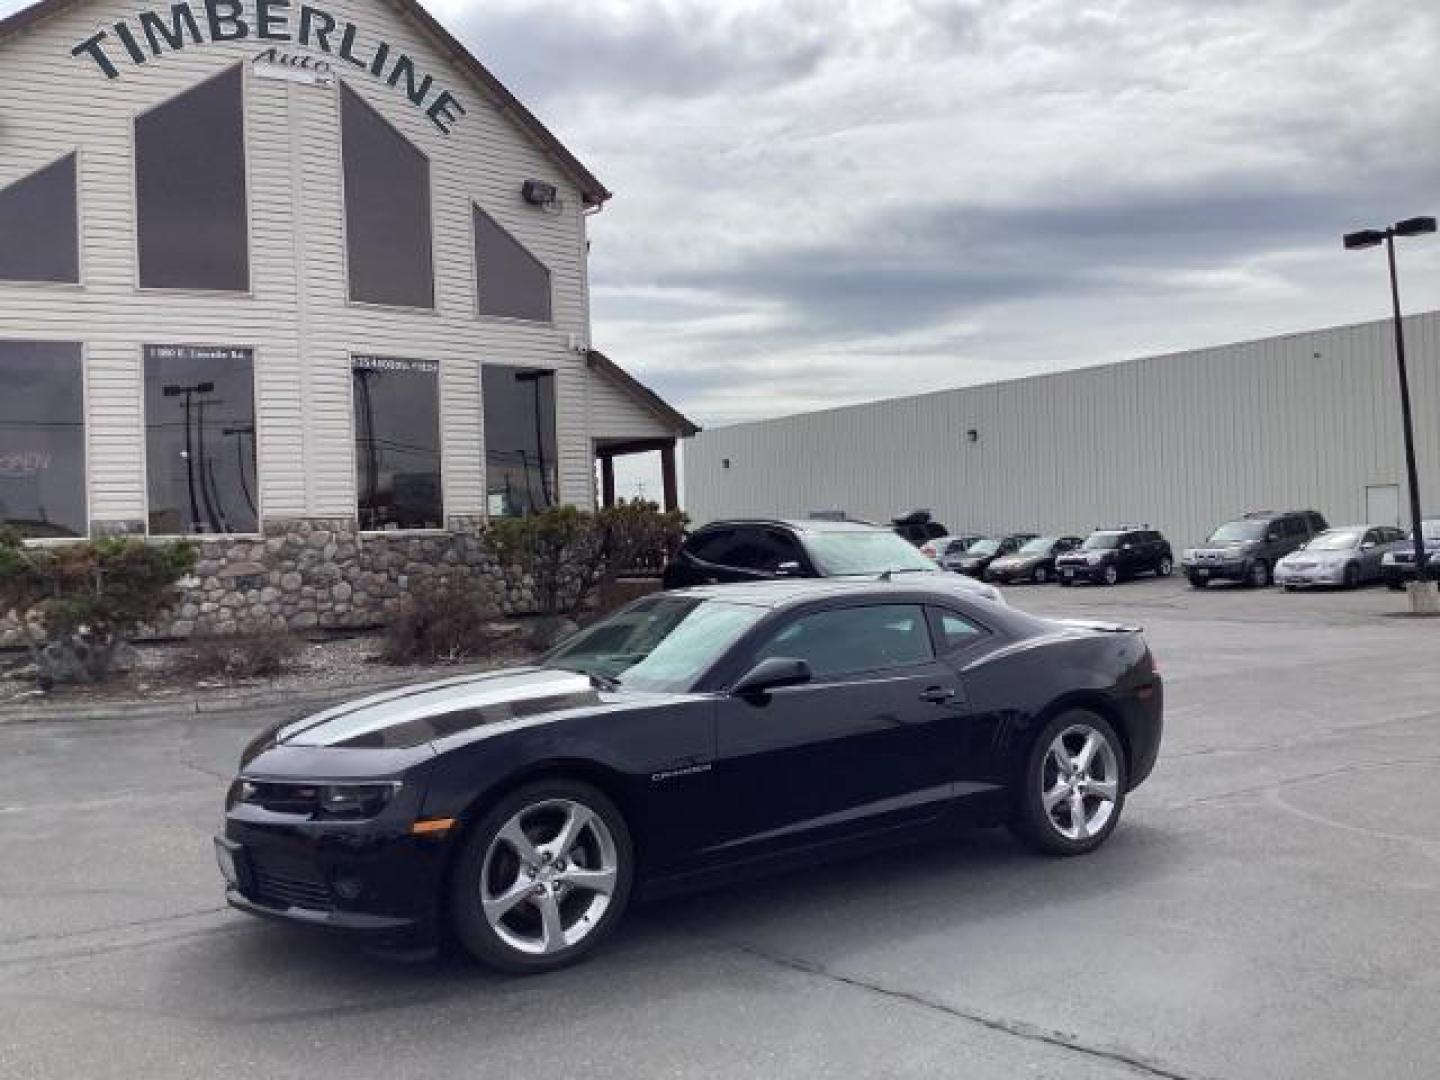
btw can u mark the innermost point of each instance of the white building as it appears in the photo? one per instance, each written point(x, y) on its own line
point(270, 267)
point(1182, 442)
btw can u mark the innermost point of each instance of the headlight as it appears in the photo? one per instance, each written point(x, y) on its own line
point(330, 802)
point(1095, 558)
point(1388, 559)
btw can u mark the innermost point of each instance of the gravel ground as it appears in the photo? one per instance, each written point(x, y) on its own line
point(159, 672)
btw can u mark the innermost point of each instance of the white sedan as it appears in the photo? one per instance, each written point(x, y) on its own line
point(1347, 556)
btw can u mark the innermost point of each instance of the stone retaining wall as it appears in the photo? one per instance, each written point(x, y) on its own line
point(307, 574)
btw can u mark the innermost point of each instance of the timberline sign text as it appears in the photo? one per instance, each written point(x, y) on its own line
point(151, 34)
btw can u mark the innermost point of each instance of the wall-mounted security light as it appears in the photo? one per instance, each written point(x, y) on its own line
point(539, 193)
point(724, 463)
point(971, 435)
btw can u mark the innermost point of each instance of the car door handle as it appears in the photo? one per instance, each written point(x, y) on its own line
point(937, 695)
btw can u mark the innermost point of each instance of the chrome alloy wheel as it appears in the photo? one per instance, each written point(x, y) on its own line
point(548, 876)
point(1080, 781)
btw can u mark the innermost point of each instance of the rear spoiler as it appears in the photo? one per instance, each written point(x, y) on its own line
point(1100, 627)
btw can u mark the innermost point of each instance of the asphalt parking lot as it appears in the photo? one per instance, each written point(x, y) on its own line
point(1268, 908)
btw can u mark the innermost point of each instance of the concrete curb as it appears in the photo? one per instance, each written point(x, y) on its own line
point(215, 701)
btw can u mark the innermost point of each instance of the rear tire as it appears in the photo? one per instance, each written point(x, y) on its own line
point(1054, 803)
point(1198, 582)
point(1395, 586)
point(1066, 582)
point(571, 842)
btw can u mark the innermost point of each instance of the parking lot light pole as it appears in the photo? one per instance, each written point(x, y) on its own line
point(1365, 238)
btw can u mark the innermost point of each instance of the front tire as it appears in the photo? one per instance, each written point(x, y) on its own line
point(1166, 567)
point(1259, 575)
point(1352, 576)
point(1074, 785)
point(543, 879)
point(1110, 575)
point(1040, 576)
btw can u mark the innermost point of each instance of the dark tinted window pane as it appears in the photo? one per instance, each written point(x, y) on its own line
point(854, 639)
point(397, 443)
point(39, 238)
point(200, 439)
point(42, 438)
point(711, 546)
point(190, 189)
point(512, 282)
point(760, 549)
point(387, 210)
point(520, 475)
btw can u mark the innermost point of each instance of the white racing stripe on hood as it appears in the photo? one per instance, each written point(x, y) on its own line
point(360, 722)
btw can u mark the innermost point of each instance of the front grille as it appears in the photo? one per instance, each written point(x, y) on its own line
point(289, 884)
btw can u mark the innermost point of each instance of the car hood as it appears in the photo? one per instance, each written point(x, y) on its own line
point(1327, 556)
point(1238, 547)
point(420, 714)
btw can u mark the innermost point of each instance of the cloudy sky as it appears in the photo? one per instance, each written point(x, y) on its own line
point(822, 201)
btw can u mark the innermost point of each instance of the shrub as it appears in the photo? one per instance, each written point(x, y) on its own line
point(445, 618)
point(239, 656)
point(80, 603)
point(568, 553)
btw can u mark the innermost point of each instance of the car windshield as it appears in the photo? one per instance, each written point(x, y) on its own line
point(862, 551)
point(1041, 545)
point(1336, 540)
point(983, 547)
point(1101, 541)
point(1235, 532)
point(660, 643)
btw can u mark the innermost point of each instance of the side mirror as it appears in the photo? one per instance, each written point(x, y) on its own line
point(771, 674)
point(788, 569)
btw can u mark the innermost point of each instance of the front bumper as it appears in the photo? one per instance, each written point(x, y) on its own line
point(1080, 572)
point(1228, 570)
point(1292, 578)
point(360, 877)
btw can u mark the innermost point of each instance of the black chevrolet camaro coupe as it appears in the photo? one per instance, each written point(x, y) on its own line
point(690, 737)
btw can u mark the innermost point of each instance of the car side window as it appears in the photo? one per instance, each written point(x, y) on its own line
point(755, 549)
point(953, 631)
point(711, 546)
point(844, 641)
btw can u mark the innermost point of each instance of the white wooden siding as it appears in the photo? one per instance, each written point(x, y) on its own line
point(297, 316)
point(1181, 441)
point(615, 414)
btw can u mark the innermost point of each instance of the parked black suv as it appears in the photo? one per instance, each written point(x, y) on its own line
point(1108, 555)
point(1248, 548)
point(760, 550)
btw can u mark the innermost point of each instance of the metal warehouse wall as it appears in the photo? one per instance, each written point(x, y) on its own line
point(1180, 441)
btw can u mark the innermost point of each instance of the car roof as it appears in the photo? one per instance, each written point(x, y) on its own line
point(796, 525)
point(783, 593)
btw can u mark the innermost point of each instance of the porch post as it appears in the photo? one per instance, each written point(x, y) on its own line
point(607, 480)
point(667, 473)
